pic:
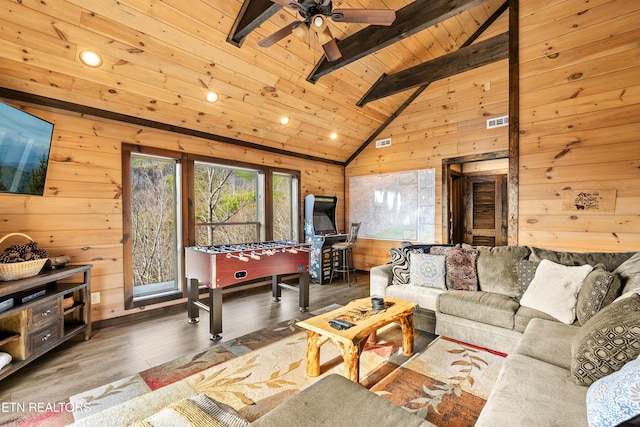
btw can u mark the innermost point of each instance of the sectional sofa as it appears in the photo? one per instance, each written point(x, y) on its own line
point(568, 321)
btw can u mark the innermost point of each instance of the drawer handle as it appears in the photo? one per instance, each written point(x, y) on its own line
point(46, 337)
point(46, 313)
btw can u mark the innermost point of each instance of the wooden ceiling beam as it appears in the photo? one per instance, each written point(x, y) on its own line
point(415, 17)
point(459, 61)
point(252, 14)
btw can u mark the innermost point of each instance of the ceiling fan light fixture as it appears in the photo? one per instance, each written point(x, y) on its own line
point(319, 22)
point(301, 31)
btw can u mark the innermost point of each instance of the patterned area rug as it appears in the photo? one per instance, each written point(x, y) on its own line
point(444, 381)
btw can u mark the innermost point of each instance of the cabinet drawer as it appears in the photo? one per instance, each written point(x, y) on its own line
point(43, 313)
point(45, 337)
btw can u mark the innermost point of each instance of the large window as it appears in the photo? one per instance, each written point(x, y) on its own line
point(154, 225)
point(228, 204)
point(171, 201)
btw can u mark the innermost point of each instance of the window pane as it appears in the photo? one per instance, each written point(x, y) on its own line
point(285, 212)
point(226, 204)
point(154, 224)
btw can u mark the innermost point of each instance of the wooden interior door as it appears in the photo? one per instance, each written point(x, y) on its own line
point(485, 210)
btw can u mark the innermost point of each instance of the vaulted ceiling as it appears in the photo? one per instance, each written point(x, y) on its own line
point(160, 58)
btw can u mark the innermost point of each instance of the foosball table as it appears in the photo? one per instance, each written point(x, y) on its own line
point(220, 266)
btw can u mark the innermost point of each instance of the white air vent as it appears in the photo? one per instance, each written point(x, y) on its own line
point(497, 122)
point(383, 143)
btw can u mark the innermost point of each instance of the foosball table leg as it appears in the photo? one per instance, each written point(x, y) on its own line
point(276, 292)
point(215, 313)
point(192, 297)
point(303, 289)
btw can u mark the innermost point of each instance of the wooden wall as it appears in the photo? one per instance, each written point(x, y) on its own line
point(80, 213)
point(579, 127)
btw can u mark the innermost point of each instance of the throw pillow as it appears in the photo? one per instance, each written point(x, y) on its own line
point(607, 341)
point(615, 398)
point(198, 410)
point(462, 274)
point(497, 269)
point(599, 289)
point(428, 270)
point(554, 290)
point(526, 272)
point(400, 269)
point(629, 272)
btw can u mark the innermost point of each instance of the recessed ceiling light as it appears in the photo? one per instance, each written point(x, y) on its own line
point(211, 97)
point(90, 58)
point(333, 135)
point(284, 120)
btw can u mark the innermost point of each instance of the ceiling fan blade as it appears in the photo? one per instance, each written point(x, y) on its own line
point(365, 16)
point(331, 50)
point(278, 35)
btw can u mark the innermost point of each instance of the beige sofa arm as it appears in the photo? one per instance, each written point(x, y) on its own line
point(379, 279)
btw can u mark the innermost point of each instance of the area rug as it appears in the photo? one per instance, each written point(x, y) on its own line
point(443, 380)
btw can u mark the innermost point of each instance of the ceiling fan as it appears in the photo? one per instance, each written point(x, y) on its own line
point(315, 14)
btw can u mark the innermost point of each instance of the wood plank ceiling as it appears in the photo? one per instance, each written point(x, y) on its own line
point(160, 58)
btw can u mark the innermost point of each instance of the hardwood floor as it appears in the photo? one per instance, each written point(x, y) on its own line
point(119, 351)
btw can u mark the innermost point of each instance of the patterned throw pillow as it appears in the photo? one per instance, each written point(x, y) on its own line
point(599, 289)
point(526, 272)
point(615, 398)
point(401, 273)
point(428, 270)
point(607, 341)
point(461, 264)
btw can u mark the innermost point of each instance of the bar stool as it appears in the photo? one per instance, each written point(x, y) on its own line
point(346, 248)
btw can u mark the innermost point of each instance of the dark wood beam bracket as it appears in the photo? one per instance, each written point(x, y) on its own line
point(137, 121)
point(252, 14)
point(459, 61)
point(415, 17)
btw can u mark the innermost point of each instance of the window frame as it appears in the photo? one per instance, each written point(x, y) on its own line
point(187, 196)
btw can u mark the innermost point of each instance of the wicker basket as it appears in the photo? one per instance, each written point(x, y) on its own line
point(20, 270)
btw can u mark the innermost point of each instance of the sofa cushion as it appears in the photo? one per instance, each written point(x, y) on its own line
point(425, 297)
point(427, 270)
point(485, 307)
point(525, 314)
point(629, 272)
point(610, 260)
point(336, 401)
point(548, 341)
point(607, 341)
point(461, 266)
point(530, 392)
point(599, 289)
point(615, 398)
point(497, 268)
point(554, 290)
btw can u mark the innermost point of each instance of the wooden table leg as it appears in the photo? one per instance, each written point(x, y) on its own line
point(406, 323)
point(313, 354)
point(373, 337)
point(352, 362)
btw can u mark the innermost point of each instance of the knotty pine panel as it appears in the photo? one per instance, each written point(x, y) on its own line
point(579, 108)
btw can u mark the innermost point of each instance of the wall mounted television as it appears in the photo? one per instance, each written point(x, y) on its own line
point(25, 143)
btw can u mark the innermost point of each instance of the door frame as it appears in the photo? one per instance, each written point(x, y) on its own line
point(512, 191)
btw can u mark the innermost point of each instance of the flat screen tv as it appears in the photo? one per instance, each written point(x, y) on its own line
point(25, 142)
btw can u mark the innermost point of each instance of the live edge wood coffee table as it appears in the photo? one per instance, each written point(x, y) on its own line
point(351, 341)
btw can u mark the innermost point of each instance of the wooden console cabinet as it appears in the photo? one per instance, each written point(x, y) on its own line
point(30, 329)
